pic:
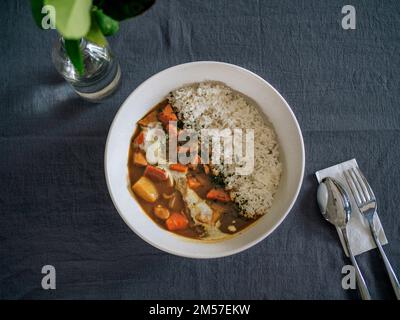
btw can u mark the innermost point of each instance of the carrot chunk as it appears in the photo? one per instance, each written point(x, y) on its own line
point(165, 118)
point(168, 109)
point(178, 167)
point(167, 115)
point(139, 159)
point(176, 221)
point(218, 194)
point(139, 139)
point(193, 182)
point(155, 174)
point(151, 117)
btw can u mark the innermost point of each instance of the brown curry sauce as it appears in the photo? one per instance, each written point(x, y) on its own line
point(231, 213)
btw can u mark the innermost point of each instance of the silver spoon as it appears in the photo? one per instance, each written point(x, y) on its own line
point(335, 207)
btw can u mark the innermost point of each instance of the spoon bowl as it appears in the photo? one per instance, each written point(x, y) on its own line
point(334, 202)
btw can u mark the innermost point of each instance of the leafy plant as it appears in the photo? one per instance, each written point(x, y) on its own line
point(90, 19)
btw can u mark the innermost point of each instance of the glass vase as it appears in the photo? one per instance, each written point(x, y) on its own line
point(101, 74)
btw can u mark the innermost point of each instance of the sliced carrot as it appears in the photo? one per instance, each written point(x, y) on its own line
point(218, 194)
point(165, 118)
point(167, 115)
point(139, 139)
point(155, 174)
point(149, 118)
point(168, 109)
point(139, 159)
point(178, 167)
point(193, 182)
point(176, 221)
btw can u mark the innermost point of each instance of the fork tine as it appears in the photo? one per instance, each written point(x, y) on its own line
point(352, 187)
point(362, 184)
point(358, 185)
point(368, 188)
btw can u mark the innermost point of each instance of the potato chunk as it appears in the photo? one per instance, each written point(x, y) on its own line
point(145, 189)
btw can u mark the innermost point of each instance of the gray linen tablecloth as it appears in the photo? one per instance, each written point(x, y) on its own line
point(343, 86)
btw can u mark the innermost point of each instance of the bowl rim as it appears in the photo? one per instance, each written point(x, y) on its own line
point(246, 245)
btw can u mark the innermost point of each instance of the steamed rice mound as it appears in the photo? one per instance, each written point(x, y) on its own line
point(216, 106)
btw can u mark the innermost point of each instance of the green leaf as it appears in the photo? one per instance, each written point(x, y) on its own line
point(36, 7)
point(95, 34)
point(74, 52)
point(72, 17)
point(108, 25)
point(123, 9)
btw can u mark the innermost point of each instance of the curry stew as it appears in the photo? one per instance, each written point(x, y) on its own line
point(156, 189)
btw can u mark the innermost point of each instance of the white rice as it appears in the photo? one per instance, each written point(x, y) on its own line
point(214, 105)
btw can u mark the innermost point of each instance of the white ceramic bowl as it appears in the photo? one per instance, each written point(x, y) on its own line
point(154, 90)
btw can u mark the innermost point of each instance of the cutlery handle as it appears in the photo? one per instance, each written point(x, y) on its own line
point(389, 269)
point(362, 286)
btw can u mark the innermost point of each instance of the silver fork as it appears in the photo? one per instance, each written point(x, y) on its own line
point(366, 202)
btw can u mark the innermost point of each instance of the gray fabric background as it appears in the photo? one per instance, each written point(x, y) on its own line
point(342, 85)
